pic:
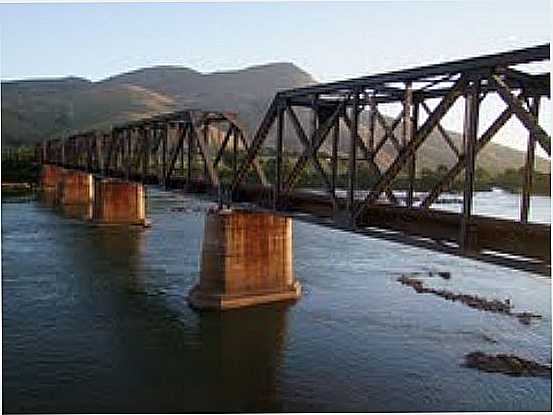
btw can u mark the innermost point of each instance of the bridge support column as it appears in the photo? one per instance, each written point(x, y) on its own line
point(119, 202)
point(75, 188)
point(246, 260)
point(50, 176)
point(470, 135)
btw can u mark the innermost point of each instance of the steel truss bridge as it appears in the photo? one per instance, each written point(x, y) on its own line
point(201, 150)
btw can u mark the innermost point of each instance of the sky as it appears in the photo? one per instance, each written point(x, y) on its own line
point(330, 40)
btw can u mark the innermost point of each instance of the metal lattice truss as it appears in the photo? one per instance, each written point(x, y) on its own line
point(156, 149)
point(196, 146)
point(416, 90)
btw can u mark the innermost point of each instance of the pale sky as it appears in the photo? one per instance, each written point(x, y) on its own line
point(330, 40)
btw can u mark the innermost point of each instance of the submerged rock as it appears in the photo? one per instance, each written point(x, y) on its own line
point(507, 364)
point(494, 306)
point(489, 339)
point(445, 274)
point(525, 317)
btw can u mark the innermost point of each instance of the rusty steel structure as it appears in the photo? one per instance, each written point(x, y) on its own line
point(318, 115)
point(165, 149)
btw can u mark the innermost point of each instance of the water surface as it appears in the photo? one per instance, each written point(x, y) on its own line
point(95, 320)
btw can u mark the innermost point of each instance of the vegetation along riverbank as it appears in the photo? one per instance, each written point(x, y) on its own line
point(18, 167)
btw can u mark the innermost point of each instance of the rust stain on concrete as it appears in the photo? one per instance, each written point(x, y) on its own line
point(246, 260)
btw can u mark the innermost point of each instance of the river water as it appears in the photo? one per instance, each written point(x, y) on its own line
point(95, 320)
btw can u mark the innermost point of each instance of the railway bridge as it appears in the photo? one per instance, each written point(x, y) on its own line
point(211, 151)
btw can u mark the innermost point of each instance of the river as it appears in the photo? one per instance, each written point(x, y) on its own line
point(95, 320)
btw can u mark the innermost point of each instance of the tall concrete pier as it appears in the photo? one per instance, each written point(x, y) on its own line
point(118, 202)
point(246, 260)
point(50, 176)
point(102, 200)
point(76, 188)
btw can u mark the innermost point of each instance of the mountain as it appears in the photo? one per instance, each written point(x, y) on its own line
point(247, 91)
point(33, 110)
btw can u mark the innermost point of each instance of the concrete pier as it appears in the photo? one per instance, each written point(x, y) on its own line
point(246, 260)
point(51, 176)
point(118, 202)
point(103, 200)
point(76, 188)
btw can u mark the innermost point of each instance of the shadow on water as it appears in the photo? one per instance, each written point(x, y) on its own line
point(126, 345)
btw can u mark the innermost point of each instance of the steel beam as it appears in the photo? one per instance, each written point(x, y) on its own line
point(254, 163)
point(486, 137)
point(308, 146)
point(423, 132)
point(529, 165)
point(204, 152)
point(334, 157)
point(258, 140)
point(442, 132)
point(177, 150)
point(409, 129)
point(370, 158)
point(392, 127)
point(223, 145)
point(277, 186)
point(515, 57)
point(470, 134)
point(388, 131)
point(318, 138)
point(352, 173)
point(526, 118)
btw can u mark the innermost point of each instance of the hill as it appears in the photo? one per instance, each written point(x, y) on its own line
point(35, 109)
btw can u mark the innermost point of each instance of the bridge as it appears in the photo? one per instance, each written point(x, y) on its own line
point(211, 151)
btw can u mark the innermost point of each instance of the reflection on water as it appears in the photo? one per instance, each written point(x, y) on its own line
point(246, 352)
point(49, 197)
point(95, 320)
